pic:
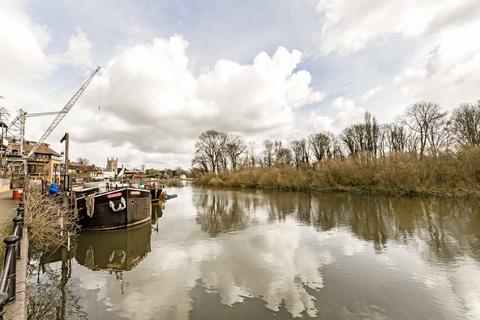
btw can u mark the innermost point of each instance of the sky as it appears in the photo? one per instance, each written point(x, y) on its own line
point(262, 69)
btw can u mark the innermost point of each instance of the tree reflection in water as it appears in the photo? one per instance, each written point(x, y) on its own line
point(219, 213)
point(449, 227)
point(115, 251)
point(50, 296)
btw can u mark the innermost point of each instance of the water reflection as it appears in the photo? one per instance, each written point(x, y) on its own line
point(224, 254)
point(115, 250)
point(449, 227)
point(440, 233)
point(50, 295)
point(219, 213)
point(157, 212)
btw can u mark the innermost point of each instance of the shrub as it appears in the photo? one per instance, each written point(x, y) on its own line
point(44, 218)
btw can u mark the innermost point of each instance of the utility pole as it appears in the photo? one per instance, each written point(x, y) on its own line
point(66, 181)
point(66, 177)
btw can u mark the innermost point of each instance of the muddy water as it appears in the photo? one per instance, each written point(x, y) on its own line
point(214, 254)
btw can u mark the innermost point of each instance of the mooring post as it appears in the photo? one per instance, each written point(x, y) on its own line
point(20, 212)
point(21, 207)
point(10, 266)
point(21, 216)
point(3, 302)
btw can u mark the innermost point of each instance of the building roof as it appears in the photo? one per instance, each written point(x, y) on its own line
point(43, 148)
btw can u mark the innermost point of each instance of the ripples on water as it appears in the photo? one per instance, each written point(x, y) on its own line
point(215, 254)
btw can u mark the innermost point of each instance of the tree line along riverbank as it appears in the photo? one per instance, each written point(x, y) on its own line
point(426, 151)
point(448, 174)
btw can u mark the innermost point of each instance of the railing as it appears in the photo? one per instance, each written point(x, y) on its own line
point(12, 254)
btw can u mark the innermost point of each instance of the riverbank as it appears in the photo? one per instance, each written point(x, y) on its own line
point(453, 175)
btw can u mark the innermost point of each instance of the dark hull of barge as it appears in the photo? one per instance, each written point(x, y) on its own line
point(135, 209)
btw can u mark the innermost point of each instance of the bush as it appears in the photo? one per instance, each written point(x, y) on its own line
point(44, 216)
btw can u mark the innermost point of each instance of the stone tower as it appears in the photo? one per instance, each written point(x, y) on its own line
point(112, 164)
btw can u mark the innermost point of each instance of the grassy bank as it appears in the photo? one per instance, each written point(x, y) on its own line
point(449, 174)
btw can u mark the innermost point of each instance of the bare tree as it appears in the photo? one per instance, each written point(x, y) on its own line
point(439, 136)
point(278, 151)
point(337, 150)
point(347, 137)
point(251, 157)
point(235, 147)
point(395, 137)
point(465, 124)
point(283, 156)
point(210, 149)
point(412, 142)
point(300, 152)
point(354, 138)
point(268, 153)
point(428, 121)
point(383, 147)
point(322, 145)
point(200, 162)
point(371, 132)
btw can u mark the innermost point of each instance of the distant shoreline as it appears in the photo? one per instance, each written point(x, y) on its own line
point(364, 190)
point(402, 175)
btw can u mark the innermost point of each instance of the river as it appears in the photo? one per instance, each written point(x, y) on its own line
point(217, 254)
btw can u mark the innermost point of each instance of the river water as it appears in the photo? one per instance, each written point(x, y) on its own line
point(216, 254)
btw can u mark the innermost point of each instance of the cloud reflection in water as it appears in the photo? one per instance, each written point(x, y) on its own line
point(308, 255)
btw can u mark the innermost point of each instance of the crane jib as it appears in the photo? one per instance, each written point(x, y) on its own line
point(63, 113)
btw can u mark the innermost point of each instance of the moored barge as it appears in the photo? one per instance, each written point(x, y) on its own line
point(119, 208)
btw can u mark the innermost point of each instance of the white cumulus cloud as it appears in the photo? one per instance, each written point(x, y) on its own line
point(445, 58)
point(22, 44)
point(449, 74)
point(350, 26)
point(346, 111)
point(151, 99)
point(79, 50)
